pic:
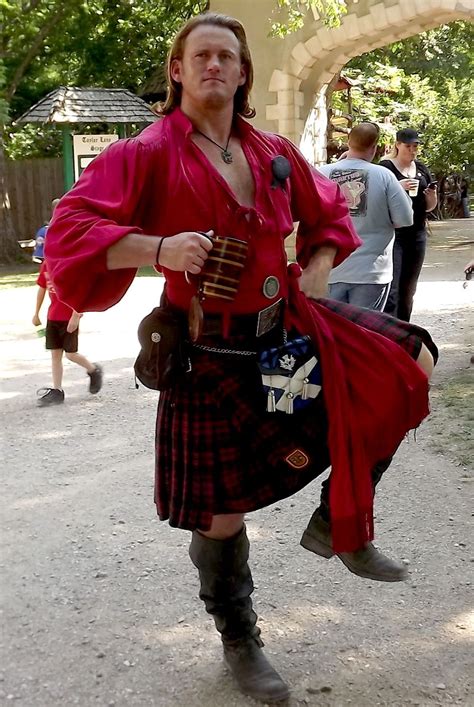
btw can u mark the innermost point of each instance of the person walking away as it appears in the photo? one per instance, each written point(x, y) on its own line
point(377, 205)
point(410, 242)
point(197, 180)
point(62, 333)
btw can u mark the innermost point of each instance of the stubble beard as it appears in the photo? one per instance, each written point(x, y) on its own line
point(217, 101)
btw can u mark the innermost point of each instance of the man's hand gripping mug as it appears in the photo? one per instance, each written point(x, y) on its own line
point(219, 278)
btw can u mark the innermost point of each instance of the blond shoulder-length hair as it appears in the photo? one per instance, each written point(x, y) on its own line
point(393, 151)
point(241, 98)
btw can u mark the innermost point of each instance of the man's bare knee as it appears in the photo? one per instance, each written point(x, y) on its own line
point(425, 360)
point(224, 526)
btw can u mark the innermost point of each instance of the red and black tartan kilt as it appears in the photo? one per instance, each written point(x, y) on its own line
point(219, 451)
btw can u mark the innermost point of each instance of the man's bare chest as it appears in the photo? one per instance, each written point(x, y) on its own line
point(237, 173)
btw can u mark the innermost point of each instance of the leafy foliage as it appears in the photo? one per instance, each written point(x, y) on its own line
point(110, 43)
point(87, 42)
point(424, 82)
point(293, 14)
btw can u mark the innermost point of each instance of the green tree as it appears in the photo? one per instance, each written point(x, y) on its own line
point(85, 42)
point(440, 55)
point(424, 82)
point(47, 43)
point(291, 14)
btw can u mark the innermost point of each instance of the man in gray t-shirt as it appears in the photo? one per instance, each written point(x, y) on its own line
point(377, 204)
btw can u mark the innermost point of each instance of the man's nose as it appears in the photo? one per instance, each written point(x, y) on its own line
point(214, 63)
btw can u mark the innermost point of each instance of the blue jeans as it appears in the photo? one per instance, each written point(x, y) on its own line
point(370, 296)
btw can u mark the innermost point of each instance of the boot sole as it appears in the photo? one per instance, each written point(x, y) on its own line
point(284, 696)
point(371, 575)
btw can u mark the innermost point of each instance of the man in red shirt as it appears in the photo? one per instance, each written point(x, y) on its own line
point(62, 332)
point(203, 172)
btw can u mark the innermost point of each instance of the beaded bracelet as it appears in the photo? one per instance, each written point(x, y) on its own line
point(157, 259)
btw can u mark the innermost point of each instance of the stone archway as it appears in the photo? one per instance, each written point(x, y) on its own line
point(293, 74)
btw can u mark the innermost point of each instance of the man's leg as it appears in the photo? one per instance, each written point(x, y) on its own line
point(367, 562)
point(426, 363)
point(371, 296)
point(221, 557)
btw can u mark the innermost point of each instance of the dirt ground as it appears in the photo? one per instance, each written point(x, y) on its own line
point(99, 599)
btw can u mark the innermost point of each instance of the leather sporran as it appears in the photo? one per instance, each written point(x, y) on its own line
point(163, 359)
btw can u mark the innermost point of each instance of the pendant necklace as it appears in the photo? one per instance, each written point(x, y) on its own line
point(226, 154)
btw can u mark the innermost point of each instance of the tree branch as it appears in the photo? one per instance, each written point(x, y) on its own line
point(35, 47)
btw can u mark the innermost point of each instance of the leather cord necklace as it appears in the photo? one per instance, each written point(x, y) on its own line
point(226, 154)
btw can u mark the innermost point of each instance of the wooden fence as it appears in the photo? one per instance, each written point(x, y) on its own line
point(32, 185)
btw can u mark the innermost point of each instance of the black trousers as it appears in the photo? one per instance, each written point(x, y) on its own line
point(408, 256)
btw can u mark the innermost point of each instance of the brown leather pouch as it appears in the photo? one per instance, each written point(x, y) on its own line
point(163, 359)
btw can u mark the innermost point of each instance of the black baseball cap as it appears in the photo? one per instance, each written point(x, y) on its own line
point(408, 136)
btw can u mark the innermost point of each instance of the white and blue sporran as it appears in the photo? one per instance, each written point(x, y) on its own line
point(291, 375)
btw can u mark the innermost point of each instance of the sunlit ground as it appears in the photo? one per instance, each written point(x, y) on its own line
point(111, 335)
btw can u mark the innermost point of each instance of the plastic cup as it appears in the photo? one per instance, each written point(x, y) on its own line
point(413, 191)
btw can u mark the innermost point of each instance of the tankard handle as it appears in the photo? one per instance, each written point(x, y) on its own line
point(187, 275)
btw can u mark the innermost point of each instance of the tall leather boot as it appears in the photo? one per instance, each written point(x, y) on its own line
point(367, 562)
point(226, 586)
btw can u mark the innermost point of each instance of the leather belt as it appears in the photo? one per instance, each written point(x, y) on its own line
point(248, 325)
point(245, 324)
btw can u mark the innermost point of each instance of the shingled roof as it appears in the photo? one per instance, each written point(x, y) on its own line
point(89, 105)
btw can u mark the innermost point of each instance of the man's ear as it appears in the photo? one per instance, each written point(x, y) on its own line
point(175, 70)
point(243, 76)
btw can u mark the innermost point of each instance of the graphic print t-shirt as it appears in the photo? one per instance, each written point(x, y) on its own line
point(377, 203)
point(354, 184)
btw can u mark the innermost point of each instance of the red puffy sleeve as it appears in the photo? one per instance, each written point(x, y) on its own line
point(319, 206)
point(101, 208)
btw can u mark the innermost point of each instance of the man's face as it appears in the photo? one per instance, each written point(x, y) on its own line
point(210, 71)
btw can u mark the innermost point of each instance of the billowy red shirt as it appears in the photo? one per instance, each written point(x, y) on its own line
point(57, 311)
point(160, 183)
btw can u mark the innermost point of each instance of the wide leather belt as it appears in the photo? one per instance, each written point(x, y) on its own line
point(245, 324)
point(249, 325)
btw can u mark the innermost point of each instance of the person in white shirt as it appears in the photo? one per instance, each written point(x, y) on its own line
point(378, 204)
